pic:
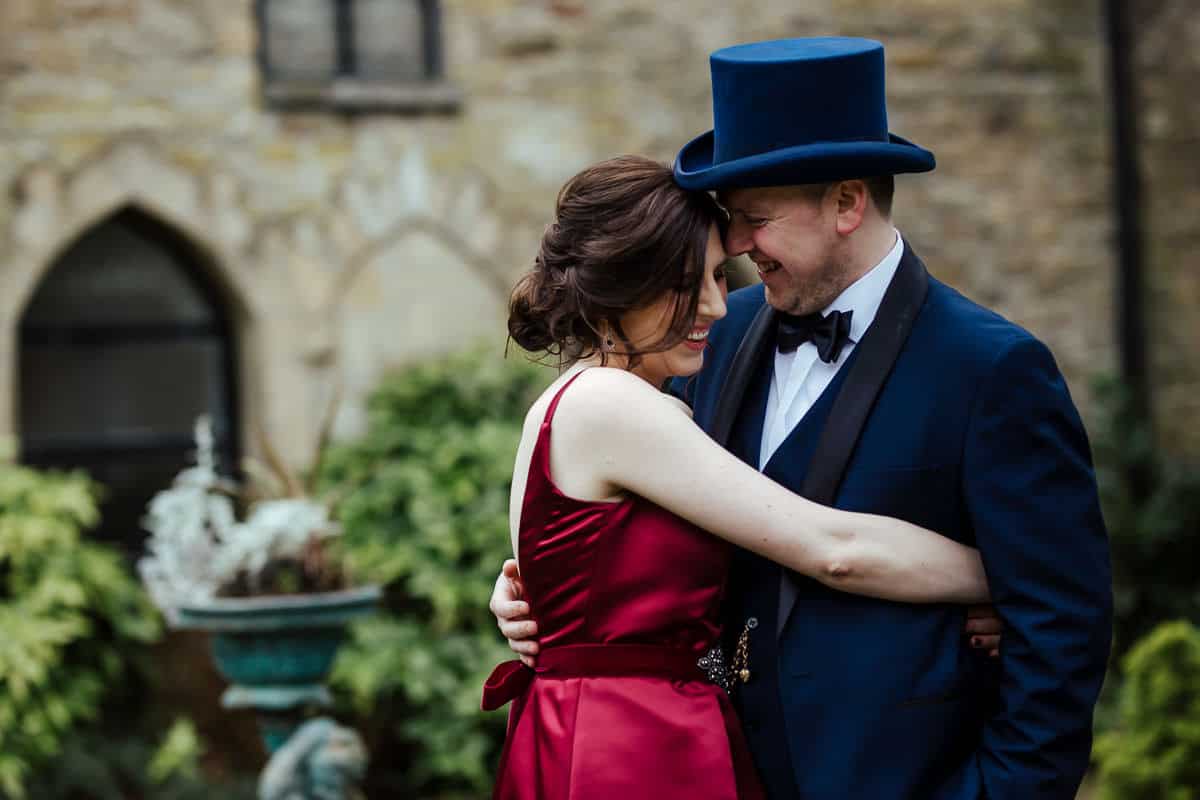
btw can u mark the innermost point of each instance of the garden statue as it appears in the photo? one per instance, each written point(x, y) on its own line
point(321, 761)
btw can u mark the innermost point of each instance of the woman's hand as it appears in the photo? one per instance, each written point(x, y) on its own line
point(512, 613)
point(985, 627)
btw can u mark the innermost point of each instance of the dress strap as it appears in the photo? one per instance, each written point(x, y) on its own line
point(558, 396)
point(540, 461)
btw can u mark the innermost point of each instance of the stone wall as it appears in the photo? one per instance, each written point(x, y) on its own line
point(1168, 49)
point(348, 244)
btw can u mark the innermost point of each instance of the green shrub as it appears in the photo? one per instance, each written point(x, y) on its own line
point(101, 764)
point(1154, 752)
point(1152, 510)
point(71, 616)
point(425, 512)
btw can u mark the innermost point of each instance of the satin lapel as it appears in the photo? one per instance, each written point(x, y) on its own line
point(745, 436)
point(741, 371)
point(876, 354)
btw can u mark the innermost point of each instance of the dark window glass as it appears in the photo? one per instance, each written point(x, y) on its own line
point(389, 40)
point(118, 273)
point(126, 389)
point(301, 37)
point(394, 41)
point(122, 346)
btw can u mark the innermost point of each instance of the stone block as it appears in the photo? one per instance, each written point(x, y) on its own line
point(417, 298)
point(36, 221)
point(526, 31)
point(174, 27)
point(358, 201)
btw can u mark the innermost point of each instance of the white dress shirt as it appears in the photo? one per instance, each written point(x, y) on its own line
point(800, 376)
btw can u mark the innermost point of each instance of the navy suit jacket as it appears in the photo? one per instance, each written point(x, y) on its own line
point(975, 436)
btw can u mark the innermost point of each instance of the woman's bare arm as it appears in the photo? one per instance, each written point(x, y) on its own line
point(642, 444)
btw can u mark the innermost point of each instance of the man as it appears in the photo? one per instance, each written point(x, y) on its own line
point(852, 377)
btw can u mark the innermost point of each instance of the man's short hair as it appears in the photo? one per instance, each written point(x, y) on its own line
point(882, 189)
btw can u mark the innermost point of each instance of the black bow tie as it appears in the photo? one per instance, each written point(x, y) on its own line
point(829, 333)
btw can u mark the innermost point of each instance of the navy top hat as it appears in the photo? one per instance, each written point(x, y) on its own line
point(797, 111)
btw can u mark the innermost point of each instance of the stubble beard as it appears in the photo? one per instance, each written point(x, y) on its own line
point(813, 294)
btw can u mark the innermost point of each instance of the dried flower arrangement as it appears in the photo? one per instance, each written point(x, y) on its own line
point(198, 549)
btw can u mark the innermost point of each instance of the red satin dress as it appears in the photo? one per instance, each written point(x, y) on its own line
point(627, 598)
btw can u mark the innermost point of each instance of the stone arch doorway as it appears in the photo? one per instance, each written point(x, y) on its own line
point(122, 345)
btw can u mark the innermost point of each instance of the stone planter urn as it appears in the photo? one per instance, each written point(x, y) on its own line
point(276, 651)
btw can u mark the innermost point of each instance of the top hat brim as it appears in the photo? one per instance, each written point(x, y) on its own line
point(820, 162)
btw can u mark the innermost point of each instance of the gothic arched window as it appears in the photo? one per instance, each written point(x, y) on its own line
point(124, 343)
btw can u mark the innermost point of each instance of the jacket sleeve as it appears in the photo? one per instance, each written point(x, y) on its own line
point(1030, 491)
point(683, 388)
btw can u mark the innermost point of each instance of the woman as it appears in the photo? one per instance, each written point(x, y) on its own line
point(615, 491)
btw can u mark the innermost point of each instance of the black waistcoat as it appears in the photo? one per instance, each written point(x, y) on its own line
point(754, 583)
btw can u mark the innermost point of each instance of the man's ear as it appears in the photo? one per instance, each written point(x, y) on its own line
point(851, 198)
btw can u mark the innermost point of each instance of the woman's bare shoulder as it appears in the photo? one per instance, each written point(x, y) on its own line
point(605, 400)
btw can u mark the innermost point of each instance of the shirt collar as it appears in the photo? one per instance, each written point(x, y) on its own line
point(864, 296)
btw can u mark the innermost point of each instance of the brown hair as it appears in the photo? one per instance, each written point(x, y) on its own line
point(882, 189)
point(624, 234)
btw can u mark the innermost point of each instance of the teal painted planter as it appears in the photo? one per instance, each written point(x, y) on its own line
point(276, 651)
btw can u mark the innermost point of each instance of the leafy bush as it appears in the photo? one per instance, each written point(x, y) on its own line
point(70, 613)
point(98, 765)
point(1154, 753)
point(425, 512)
point(1152, 509)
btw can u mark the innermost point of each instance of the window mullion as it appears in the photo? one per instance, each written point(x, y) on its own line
point(344, 20)
point(432, 27)
point(264, 53)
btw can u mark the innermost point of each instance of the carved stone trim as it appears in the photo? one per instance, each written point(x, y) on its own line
point(351, 95)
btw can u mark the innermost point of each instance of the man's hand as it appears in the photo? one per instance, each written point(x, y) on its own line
point(512, 613)
point(984, 626)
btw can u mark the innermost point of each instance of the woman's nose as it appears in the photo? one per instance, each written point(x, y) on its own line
point(737, 241)
point(712, 302)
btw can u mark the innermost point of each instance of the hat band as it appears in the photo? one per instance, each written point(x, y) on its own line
point(723, 155)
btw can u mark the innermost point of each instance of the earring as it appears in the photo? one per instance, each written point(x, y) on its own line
point(611, 344)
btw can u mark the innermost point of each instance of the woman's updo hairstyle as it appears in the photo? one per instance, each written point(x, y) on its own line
point(624, 234)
